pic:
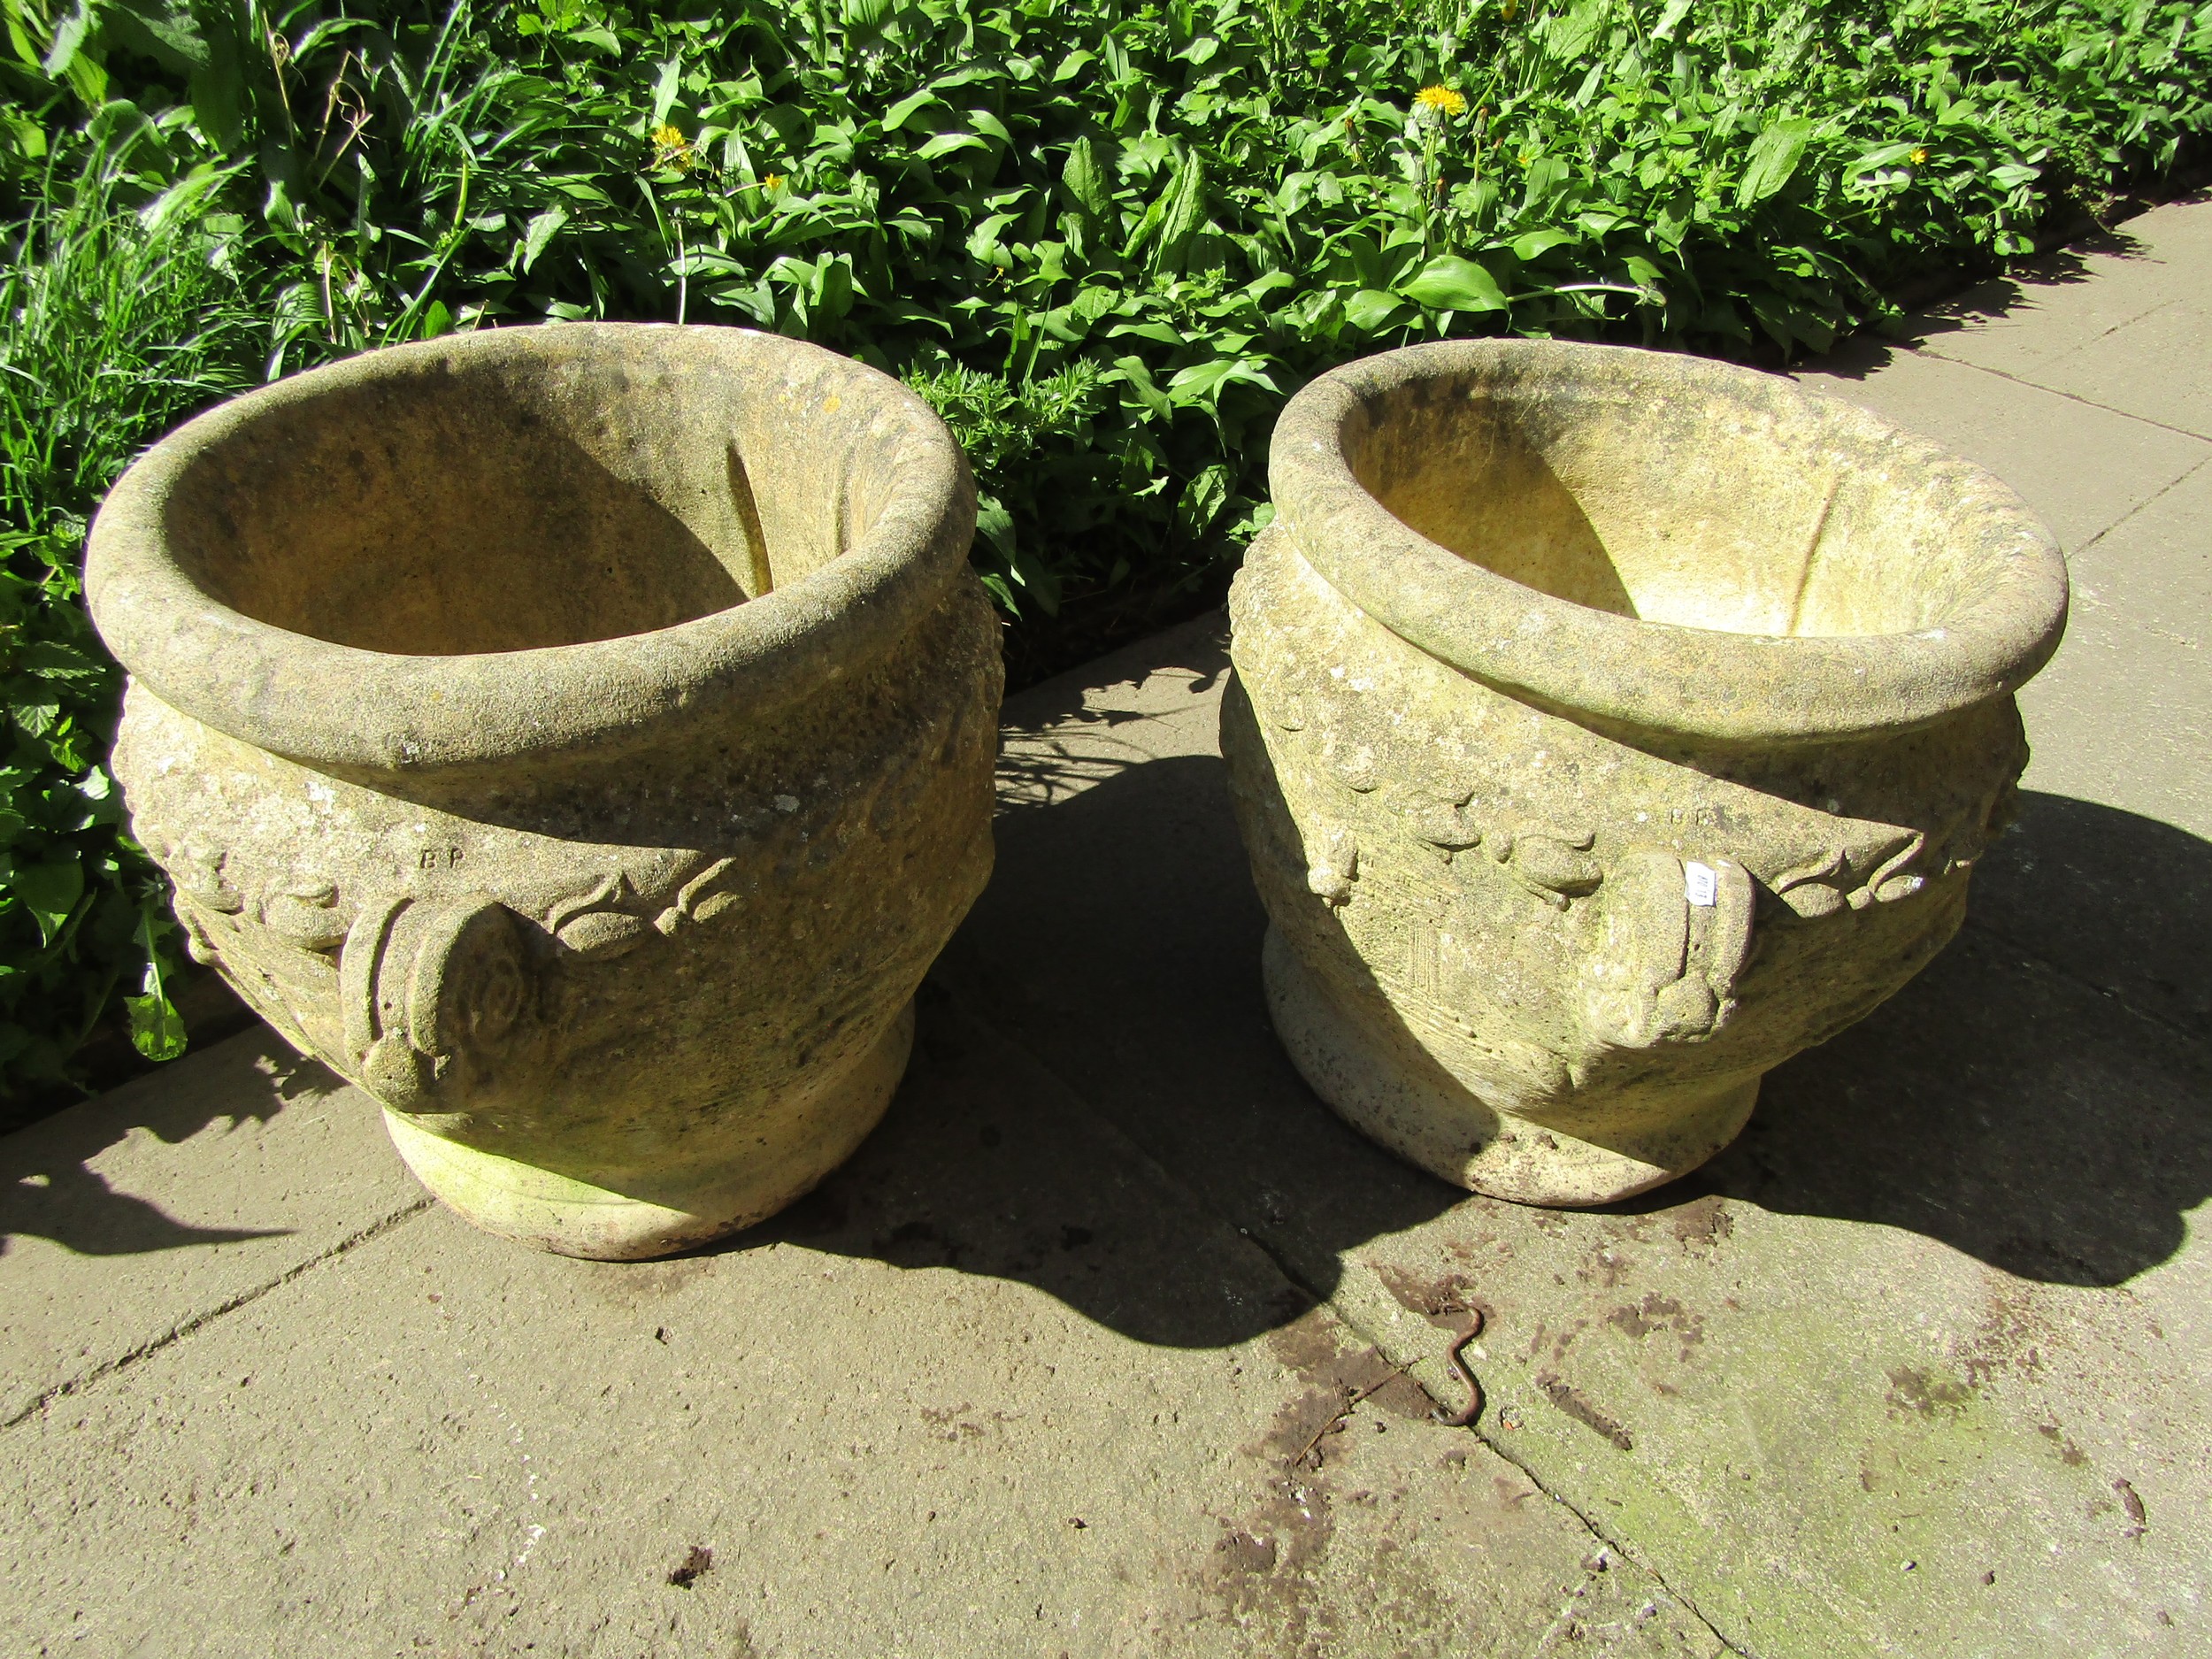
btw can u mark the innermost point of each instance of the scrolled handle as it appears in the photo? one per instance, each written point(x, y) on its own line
point(434, 990)
point(1673, 937)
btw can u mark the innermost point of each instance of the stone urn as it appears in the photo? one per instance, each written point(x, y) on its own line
point(1609, 726)
point(581, 737)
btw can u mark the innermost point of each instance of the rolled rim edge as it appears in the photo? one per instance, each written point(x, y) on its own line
point(1658, 676)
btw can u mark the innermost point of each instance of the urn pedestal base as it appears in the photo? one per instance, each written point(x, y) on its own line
point(703, 1194)
point(1396, 1094)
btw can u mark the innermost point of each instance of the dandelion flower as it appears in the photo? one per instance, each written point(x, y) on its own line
point(1442, 99)
point(1920, 158)
point(671, 148)
point(772, 182)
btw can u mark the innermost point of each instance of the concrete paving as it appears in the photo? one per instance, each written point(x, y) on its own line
point(1114, 1341)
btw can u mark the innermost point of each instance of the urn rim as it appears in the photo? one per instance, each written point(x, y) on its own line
point(1656, 675)
point(375, 715)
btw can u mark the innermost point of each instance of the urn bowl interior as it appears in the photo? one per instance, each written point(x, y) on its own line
point(504, 501)
point(1729, 501)
point(532, 548)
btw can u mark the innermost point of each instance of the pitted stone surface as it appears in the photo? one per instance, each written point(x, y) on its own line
point(578, 737)
point(1607, 727)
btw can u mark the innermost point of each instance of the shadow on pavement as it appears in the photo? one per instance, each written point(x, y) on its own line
point(2009, 1104)
point(48, 1189)
point(1860, 354)
point(2040, 1098)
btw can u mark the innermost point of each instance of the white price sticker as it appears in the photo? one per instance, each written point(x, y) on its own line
point(1700, 884)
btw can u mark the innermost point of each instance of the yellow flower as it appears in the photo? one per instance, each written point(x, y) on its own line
point(1507, 10)
point(772, 182)
point(671, 148)
point(1919, 157)
point(1441, 98)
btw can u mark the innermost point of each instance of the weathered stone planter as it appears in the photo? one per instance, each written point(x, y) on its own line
point(582, 738)
point(1609, 726)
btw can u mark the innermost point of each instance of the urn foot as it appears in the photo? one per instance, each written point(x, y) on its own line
point(1382, 1083)
point(698, 1198)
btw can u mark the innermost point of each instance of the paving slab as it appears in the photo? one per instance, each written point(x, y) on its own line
point(1917, 1367)
point(2119, 321)
point(137, 1216)
point(999, 1376)
point(2083, 468)
point(1944, 1298)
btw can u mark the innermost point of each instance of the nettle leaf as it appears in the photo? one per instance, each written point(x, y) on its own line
point(36, 712)
point(1773, 159)
point(51, 660)
point(1449, 283)
point(1202, 500)
point(156, 1028)
point(1568, 36)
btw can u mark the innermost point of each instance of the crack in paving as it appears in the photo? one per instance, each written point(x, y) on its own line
point(199, 1322)
point(1634, 1557)
point(1352, 1322)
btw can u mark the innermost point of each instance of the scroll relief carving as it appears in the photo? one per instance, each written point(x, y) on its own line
point(1656, 938)
point(436, 989)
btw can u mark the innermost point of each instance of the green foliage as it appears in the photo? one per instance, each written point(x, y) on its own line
point(114, 323)
point(1105, 238)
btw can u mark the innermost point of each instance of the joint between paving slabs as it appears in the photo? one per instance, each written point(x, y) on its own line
point(2071, 397)
point(200, 1322)
point(1352, 1321)
point(1352, 1269)
point(2139, 508)
point(2057, 970)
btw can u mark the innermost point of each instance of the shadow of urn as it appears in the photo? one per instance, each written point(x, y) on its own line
point(1607, 727)
point(580, 737)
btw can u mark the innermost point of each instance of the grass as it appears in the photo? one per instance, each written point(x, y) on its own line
point(115, 322)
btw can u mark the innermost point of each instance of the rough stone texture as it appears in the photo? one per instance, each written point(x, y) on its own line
point(579, 737)
point(1609, 727)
